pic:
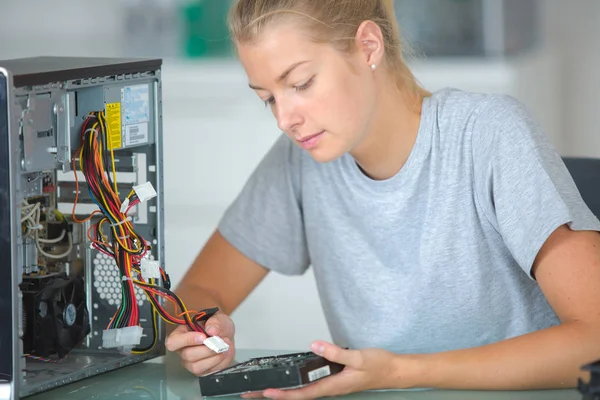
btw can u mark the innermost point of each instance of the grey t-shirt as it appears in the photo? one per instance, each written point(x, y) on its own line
point(436, 258)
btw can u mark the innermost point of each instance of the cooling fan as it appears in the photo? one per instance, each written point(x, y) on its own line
point(55, 313)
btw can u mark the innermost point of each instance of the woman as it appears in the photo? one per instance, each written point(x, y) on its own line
point(444, 222)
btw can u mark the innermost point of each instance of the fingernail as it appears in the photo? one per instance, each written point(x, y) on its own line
point(317, 348)
point(211, 330)
point(200, 339)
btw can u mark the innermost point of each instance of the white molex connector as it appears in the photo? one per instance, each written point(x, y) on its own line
point(145, 191)
point(124, 338)
point(216, 344)
point(150, 269)
point(124, 205)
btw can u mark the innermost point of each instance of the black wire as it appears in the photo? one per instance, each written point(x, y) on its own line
point(154, 329)
point(192, 323)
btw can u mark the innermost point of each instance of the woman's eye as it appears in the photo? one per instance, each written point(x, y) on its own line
point(305, 85)
point(270, 101)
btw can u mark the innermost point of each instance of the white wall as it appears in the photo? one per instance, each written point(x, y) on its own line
point(576, 30)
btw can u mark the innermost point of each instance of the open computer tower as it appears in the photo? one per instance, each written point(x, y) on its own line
point(81, 219)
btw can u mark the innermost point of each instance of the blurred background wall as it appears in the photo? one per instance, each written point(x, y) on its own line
point(546, 53)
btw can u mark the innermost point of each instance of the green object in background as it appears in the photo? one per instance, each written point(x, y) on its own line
point(205, 32)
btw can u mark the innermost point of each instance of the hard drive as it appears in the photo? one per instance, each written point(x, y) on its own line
point(272, 372)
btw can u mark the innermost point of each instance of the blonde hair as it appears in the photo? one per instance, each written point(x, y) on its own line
point(328, 21)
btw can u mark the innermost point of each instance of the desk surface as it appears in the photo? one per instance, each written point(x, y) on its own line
point(165, 379)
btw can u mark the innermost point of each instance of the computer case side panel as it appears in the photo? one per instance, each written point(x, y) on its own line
point(9, 307)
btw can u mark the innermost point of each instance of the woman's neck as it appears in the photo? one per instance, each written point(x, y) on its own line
point(387, 146)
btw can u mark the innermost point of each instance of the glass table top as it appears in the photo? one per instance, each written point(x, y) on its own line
point(165, 379)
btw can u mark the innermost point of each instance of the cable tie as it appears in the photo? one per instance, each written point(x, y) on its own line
point(122, 222)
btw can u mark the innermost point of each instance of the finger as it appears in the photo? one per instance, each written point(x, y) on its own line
point(227, 358)
point(220, 325)
point(195, 353)
point(253, 395)
point(351, 358)
point(322, 388)
point(203, 366)
point(179, 340)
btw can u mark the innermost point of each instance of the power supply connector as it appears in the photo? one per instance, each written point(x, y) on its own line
point(150, 269)
point(216, 344)
point(125, 338)
point(145, 191)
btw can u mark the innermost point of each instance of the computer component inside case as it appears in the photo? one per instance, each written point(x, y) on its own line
point(81, 220)
point(591, 389)
point(273, 372)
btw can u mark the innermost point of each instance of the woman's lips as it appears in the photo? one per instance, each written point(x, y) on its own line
point(310, 142)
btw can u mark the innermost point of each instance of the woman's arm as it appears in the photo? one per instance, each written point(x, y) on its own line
point(568, 271)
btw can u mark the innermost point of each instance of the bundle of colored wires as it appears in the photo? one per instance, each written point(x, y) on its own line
point(122, 243)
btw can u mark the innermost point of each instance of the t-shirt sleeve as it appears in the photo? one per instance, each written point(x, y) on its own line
point(265, 220)
point(521, 182)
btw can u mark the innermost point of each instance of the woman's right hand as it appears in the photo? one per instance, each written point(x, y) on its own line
point(195, 356)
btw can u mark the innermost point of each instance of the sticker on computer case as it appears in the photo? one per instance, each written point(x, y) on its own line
point(319, 373)
point(136, 134)
point(135, 104)
point(113, 120)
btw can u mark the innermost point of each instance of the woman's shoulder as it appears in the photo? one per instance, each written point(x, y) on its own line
point(481, 117)
point(452, 104)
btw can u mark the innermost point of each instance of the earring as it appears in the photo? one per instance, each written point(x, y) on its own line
point(373, 66)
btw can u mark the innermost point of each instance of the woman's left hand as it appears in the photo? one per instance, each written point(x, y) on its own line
point(366, 369)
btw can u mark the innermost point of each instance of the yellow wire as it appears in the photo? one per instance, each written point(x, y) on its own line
point(105, 203)
point(112, 152)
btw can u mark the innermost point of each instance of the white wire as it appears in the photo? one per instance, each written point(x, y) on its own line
point(32, 218)
point(56, 256)
point(58, 239)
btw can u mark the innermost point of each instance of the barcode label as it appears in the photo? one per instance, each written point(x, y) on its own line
point(136, 134)
point(319, 373)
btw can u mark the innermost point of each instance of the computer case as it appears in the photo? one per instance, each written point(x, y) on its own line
point(70, 304)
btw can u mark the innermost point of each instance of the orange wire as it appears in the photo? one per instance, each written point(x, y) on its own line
point(164, 295)
point(77, 193)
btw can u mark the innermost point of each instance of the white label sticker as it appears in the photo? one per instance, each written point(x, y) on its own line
point(136, 134)
point(319, 373)
point(135, 104)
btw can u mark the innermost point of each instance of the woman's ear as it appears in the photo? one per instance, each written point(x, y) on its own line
point(369, 42)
